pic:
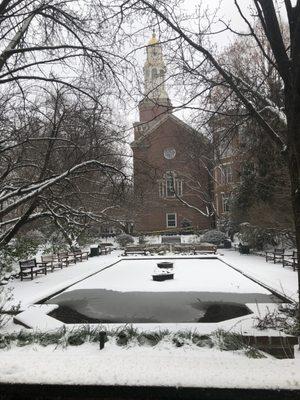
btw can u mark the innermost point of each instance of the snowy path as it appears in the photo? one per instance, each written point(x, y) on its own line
point(284, 280)
point(29, 292)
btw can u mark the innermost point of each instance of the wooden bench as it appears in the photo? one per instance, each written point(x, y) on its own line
point(135, 250)
point(183, 249)
point(51, 261)
point(171, 239)
point(104, 248)
point(205, 249)
point(31, 268)
point(79, 254)
point(66, 258)
point(276, 255)
point(290, 260)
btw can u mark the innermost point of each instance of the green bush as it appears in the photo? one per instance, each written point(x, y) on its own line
point(20, 248)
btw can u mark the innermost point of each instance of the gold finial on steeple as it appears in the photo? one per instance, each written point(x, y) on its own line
point(153, 40)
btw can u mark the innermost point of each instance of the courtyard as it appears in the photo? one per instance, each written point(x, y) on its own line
point(114, 364)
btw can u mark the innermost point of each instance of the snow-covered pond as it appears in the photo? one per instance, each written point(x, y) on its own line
point(203, 290)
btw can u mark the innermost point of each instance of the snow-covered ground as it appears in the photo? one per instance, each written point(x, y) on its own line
point(162, 365)
point(190, 274)
point(141, 365)
point(28, 292)
point(283, 280)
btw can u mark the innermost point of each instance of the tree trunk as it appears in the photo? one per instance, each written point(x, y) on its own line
point(22, 221)
point(295, 179)
point(293, 117)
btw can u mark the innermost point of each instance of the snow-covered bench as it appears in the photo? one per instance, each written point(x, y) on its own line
point(31, 268)
point(276, 255)
point(104, 248)
point(79, 254)
point(174, 239)
point(51, 261)
point(135, 250)
point(291, 260)
point(205, 248)
point(66, 258)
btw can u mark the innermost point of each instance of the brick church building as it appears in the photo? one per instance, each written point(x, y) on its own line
point(172, 185)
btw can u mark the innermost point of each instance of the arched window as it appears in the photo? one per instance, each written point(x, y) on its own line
point(154, 73)
point(170, 186)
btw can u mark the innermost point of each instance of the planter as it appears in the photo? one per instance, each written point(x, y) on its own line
point(165, 265)
point(227, 244)
point(94, 251)
point(162, 277)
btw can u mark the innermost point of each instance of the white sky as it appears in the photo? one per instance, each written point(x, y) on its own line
point(226, 11)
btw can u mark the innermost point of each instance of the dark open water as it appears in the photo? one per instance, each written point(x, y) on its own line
point(109, 306)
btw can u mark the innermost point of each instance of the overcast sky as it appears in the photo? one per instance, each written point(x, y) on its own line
point(226, 12)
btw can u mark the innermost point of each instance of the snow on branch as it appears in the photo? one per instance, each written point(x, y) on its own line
point(36, 189)
point(269, 104)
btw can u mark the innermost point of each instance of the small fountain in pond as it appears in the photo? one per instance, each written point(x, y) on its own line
point(163, 271)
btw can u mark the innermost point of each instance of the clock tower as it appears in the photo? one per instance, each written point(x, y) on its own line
point(166, 155)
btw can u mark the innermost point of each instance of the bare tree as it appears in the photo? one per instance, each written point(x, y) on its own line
point(48, 154)
point(53, 41)
point(59, 161)
point(284, 57)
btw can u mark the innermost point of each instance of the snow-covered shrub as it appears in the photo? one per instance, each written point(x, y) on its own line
point(214, 236)
point(142, 239)
point(20, 248)
point(56, 242)
point(284, 319)
point(124, 239)
point(5, 296)
point(229, 341)
point(257, 237)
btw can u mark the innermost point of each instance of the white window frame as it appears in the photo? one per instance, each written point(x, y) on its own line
point(226, 173)
point(225, 199)
point(170, 189)
point(163, 187)
point(178, 184)
point(167, 220)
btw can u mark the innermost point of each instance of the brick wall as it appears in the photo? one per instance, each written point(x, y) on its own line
point(150, 165)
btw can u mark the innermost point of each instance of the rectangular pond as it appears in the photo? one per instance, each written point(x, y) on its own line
point(203, 290)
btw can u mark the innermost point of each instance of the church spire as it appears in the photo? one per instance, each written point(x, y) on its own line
point(156, 100)
point(153, 40)
point(155, 71)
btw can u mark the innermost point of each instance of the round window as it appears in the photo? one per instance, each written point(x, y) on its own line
point(169, 153)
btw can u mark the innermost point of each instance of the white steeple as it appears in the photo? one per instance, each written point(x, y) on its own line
point(155, 72)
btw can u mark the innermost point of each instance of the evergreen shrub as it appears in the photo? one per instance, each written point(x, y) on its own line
point(214, 237)
point(124, 239)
